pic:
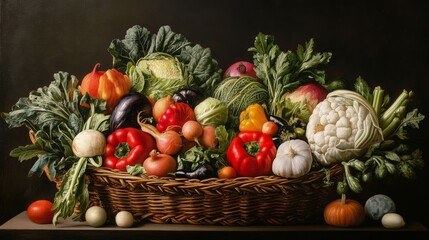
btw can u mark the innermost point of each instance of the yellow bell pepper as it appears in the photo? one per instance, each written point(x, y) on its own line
point(252, 118)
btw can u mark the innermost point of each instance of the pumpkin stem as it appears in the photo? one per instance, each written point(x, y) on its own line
point(343, 199)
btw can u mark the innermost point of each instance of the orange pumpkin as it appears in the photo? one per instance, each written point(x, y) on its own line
point(108, 85)
point(344, 212)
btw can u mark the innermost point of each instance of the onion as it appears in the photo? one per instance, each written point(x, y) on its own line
point(160, 107)
point(192, 130)
point(159, 164)
point(168, 142)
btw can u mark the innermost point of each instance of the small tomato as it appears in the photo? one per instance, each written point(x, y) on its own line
point(227, 172)
point(270, 128)
point(40, 212)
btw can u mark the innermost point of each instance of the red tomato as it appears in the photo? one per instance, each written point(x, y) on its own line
point(270, 128)
point(227, 172)
point(40, 212)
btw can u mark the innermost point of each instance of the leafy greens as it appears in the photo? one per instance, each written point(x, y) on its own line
point(55, 114)
point(282, 71)
point(202, 69)
point(391, 156)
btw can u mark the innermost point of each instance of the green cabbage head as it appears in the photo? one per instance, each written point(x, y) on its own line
point(212, 112)
point(158, 75)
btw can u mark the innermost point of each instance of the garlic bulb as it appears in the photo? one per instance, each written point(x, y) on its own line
point(293, 159)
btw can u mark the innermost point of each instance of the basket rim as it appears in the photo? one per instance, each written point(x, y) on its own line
point(310, 177)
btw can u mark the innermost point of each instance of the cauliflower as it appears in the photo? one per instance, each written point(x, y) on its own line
point(342, 127)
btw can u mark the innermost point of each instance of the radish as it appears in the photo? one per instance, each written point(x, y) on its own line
point(192, 131)
point(208, 138)
point(241, 68)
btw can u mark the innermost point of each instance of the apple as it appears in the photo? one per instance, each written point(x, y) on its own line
point(310, 93)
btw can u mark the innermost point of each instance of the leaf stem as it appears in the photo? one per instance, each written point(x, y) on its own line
point(388, 115)
point(377, 100)
point(343, 199)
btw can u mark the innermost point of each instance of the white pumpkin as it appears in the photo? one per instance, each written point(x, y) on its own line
point(293, 159)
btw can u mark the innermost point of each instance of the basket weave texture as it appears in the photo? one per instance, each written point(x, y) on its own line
point(269, 200)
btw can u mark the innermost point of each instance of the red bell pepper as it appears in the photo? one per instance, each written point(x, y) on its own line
point(175, 116)
point(127, 146)
point(251, 153)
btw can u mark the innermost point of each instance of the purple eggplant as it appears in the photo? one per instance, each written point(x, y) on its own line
point(189, 96)
point(126, 111)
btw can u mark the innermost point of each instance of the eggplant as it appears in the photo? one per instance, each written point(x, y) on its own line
point(287, 131)
point(189, 96)
point(126, 111)
point(283, 127)
point(202, 172)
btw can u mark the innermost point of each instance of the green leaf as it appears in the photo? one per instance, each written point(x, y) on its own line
point(417, 159)
point(135, 170)
point(73, 190)
point(167, 41)
point(357, 164)
point(137, 77)
point(412, 119)
point(135, 45)
point(354, 184)
point(362, 87)
point(202, 68)
point(391, 168)
point(98, 121)
point(407, 170)
point(380, 170)
point(27, 152)
point(224, 137)
point(43, 161)
point(392, 156)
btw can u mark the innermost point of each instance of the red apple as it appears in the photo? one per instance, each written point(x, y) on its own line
point(311, 93)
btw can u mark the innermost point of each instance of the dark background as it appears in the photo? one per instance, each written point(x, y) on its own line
point(385, 42)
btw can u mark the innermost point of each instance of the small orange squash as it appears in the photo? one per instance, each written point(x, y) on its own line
point(344, 212)
point(110, 85)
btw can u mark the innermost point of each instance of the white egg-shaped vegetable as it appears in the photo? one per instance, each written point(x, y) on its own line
point(293, 159)
point(95, 216)
point(124, 219)
point(89, 143)
point(392, 220)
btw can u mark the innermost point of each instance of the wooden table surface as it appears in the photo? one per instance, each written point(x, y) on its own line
point(20, 227)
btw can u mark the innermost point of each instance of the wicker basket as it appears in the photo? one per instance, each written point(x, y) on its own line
point(242, 201)
point(269, 200)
